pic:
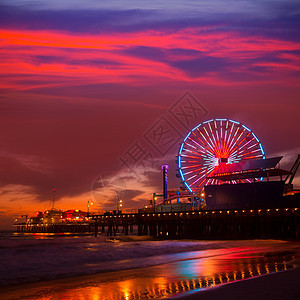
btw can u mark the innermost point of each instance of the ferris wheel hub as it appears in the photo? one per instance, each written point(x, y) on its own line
point(223, 160)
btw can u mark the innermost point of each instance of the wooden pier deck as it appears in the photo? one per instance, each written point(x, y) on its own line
point(280, 223)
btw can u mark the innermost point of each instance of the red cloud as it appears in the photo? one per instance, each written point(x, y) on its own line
point(58, 58)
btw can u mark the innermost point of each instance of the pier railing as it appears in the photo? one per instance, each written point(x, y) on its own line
point(55, 227)
point(275, 223)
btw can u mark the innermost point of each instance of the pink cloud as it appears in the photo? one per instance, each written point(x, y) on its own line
point(58, 58)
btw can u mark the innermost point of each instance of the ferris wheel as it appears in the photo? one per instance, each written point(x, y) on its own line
point(213, 145)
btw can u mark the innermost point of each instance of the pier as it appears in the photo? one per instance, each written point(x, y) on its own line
point(54, 228)
point(280, 223)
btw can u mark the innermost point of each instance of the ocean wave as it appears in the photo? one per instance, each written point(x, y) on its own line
point(32, 260)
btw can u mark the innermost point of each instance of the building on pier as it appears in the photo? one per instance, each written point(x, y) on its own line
point(248, 184)
point(54, 220)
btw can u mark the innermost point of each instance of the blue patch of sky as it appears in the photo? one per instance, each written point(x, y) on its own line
point(276, 18)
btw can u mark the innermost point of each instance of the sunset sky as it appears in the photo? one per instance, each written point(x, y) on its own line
point(83, 84)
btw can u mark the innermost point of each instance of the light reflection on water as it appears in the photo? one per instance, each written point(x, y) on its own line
point(165, 280)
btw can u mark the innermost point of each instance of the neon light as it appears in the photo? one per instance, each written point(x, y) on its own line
point(187, 136)
point(262, 150)
point(188, 187)
point(217, 135)
point(211, 132)
point(234, 121)
point(191, 145)
point(196, 127)
point(207, 121)
point(180, 150)
point(181, 174)
point(246, 128)
point(255, 136)
point(191, 177)
point(211, 142)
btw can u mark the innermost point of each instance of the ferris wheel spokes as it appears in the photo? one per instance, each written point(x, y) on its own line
point(212, 145)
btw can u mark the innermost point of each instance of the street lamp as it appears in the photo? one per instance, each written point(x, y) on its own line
point(88, 206)
point(120, 204)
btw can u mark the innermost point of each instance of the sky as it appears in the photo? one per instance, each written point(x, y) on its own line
point(84, 84)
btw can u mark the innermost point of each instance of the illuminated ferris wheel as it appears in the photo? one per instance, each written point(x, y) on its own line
point(210, 147)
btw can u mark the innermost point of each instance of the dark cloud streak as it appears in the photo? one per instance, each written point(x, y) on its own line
point(282, 20)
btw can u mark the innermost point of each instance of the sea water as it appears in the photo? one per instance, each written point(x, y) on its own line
point(37, 257)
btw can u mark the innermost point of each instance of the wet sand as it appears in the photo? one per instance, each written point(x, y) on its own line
point(209, 274)
point(282, 285)
point(278, 286)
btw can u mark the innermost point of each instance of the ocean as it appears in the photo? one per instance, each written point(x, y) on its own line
point(35, 258)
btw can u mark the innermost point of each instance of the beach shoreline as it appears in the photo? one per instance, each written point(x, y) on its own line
point(282, 285)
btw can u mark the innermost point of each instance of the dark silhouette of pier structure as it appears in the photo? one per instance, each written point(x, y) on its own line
point(280, 223)
point(55, 228)
point(252, 210)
